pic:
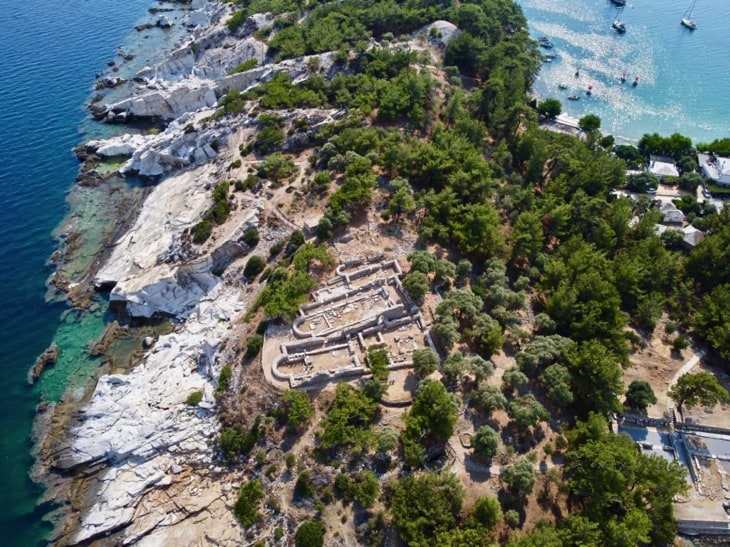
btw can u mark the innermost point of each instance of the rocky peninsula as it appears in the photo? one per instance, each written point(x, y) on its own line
point(135, 462)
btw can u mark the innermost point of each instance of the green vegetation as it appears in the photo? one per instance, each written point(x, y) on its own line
point(243, 67)
point(609, 474)
point(362, 487)
point(639, 395)
point(698, 388)
point(194, 398)
point(254, 266)
point(348, 423)
point(296, 408)
point(224, 379)
point(234, 441)
point(288, 286)
point(216, 215)
point(516, 220)
point(309, 534)
point(254, 345)
point(425, 362)
point(246, 506)
point(424, 505)
point(485, 442)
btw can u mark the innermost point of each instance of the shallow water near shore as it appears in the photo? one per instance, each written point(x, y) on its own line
point(51, 53)
point(683, 75)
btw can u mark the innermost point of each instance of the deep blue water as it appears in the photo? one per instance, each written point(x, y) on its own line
point(50, 51)
point(684, 76)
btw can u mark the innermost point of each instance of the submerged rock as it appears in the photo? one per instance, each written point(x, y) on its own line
point(47, 358)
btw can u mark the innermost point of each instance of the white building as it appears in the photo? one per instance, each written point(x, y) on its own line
point(661, 166)
point(715, 168)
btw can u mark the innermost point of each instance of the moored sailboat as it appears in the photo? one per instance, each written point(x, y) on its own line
point(687, 20)
point(617, 25)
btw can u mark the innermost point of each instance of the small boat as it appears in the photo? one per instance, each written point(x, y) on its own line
point(617, 25)
point(687, 20)
point(574, 97)
point(619, 2)
point(545, 42)
point(562, 86)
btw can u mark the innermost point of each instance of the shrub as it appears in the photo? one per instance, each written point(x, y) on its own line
point(304, 487)
point(680, 343)
point(485, 442)
point(233, 441)
point(309, 534)
point(254, 345)
point(640, 395)
point(297, 409)
point(246, 508)
point(276, 248)
point(290, 461)
point(254, 267)
point(224, 379)
point(194, 398)
point(512, 518)
point(251, 237)
point(243, 67)
point(202, 231)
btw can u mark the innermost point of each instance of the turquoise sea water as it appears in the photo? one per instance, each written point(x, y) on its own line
point(50, 51)
point(684, 76)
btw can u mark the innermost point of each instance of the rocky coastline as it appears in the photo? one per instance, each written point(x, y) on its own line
point(133, 461)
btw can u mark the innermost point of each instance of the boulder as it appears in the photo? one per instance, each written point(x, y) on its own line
point(47, 358)
point(163, 22)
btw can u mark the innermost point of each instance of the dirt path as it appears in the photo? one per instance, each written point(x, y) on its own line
point(689, 365)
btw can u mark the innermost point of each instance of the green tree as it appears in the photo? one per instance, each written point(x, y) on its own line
point(640, 395)
point(254, 267)
point(401, 200)
point(486, 512)
point(627, 493)
point(527, 412)
point(520, 477)
point(424, 505)
point(550, 108)
point(296, 408)
point(513, 378)
point(556, 381)
point(247, 504)
point(416, 285)
point(309, 534)
point(712, 319)
point(488, 398)
point(254, 345)
point(276, 167)
point(589, 123)
point(434, 410)
point(425, 361)
point(485, 442)
point(698, 388)
point(349, 420)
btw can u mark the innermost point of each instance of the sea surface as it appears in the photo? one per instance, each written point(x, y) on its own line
point(684, 76)
point(51, 51)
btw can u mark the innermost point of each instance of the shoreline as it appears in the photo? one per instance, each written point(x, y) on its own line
point(55, 423)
